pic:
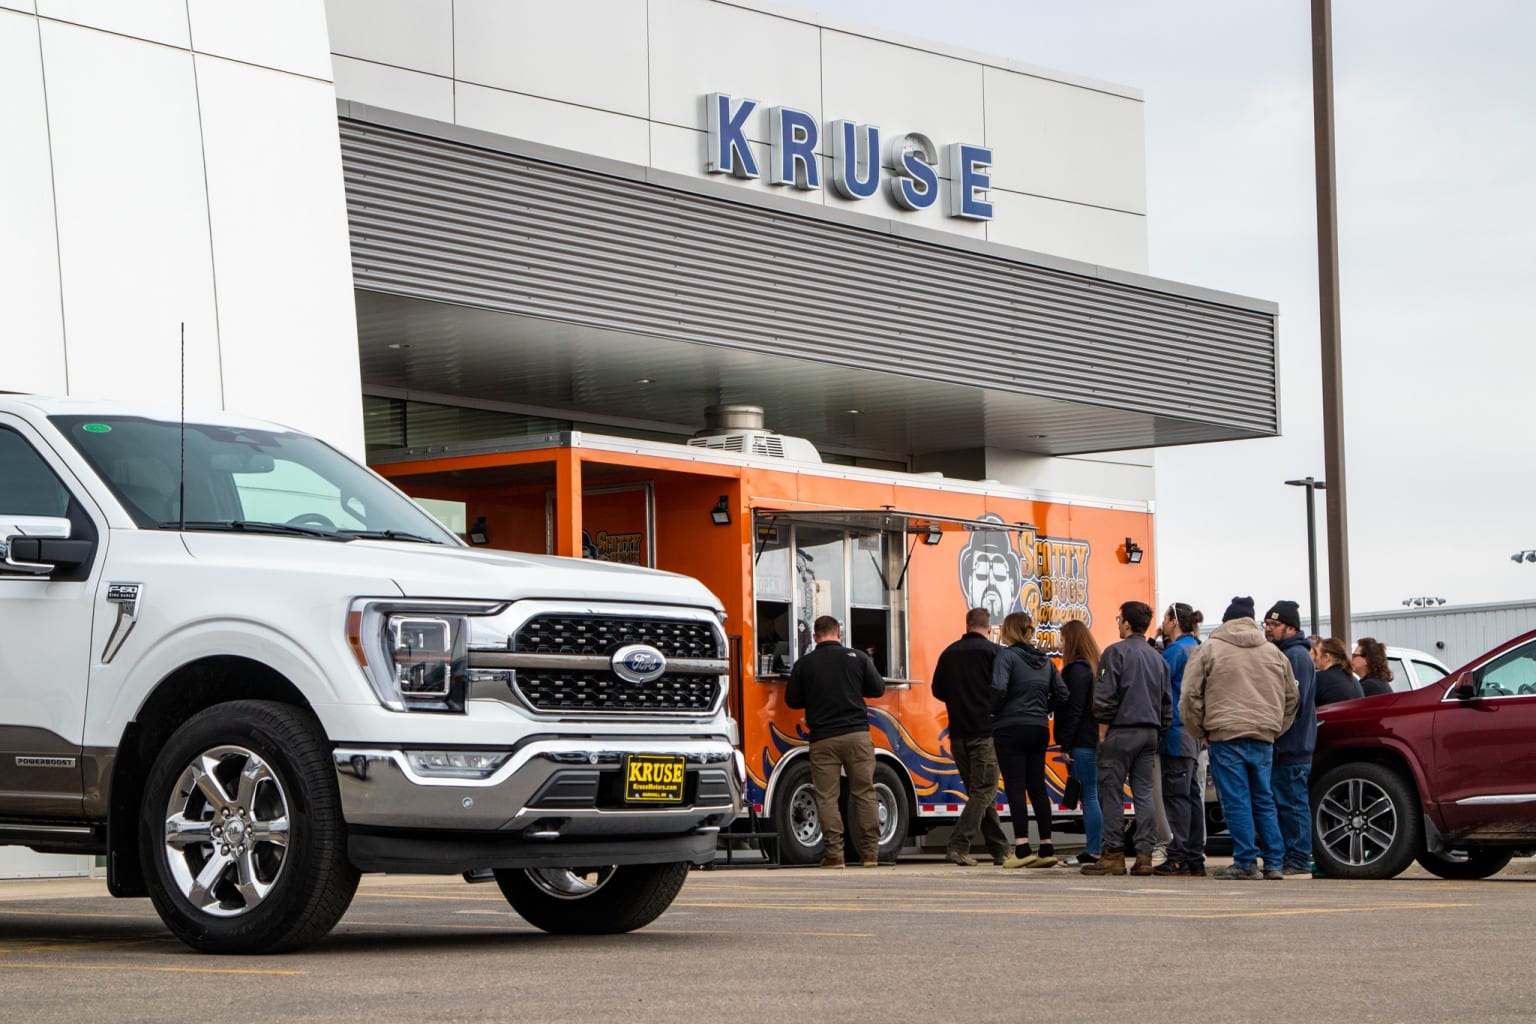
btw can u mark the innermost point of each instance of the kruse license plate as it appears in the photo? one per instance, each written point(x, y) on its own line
point(653, 778)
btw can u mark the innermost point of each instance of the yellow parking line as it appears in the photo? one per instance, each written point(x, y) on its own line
point(163, 970)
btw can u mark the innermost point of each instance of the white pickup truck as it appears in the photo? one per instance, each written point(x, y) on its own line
point(245, 669)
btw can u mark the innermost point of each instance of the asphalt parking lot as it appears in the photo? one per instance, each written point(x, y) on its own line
point(919, 941)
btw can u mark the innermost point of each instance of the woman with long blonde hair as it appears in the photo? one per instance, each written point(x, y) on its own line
point(1026, 688)
point(1077, 734)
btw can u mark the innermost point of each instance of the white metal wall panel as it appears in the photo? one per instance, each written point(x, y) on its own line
point(287, 35)
point(699, 47)
point(410, 92)
point(1066, 142)
point(282, 268)
point(446, 221)
point(30, 315)
point(599, 132)
point(591, 53)
point(409, 34)
point(1455, 635)
point(1075, 231)
point(132, 216)
point(159, 21)
point(902, 89)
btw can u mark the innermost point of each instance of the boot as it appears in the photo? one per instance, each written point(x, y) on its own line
point(1109, 864)
point(1143, 864)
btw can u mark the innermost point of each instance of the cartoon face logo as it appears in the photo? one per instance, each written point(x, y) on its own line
point(990, 574)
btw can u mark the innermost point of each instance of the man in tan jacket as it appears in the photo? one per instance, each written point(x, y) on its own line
point(1239, 694)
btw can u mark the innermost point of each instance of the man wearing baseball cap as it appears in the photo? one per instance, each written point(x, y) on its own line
point(1293, 750)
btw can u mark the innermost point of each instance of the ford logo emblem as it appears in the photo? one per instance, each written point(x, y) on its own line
point(639, 663)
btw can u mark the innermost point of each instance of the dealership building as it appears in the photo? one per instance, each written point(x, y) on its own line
point(407, 225)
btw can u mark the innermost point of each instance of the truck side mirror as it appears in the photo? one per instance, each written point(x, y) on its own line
point(1463, 689)
point(37, 545)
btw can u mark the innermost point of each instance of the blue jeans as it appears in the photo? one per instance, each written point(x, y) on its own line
point(1290, 782)
point(1085, 769)
point(1241, 769)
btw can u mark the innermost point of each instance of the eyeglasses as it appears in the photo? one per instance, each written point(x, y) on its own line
point(1357, 654)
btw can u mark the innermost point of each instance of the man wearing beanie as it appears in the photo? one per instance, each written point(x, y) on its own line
point(1239, 694)
point(1133, 704)
point(1293, 750)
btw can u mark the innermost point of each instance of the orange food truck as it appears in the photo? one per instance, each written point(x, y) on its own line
point(781, 538)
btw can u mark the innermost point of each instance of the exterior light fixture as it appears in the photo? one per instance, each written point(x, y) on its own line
point(1133, 551)
point(1523, 556)
point(932, 534)
point(1422, 602)
point(478, 535)
point(721, 513)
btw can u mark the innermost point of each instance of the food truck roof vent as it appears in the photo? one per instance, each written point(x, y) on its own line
point(739, 428)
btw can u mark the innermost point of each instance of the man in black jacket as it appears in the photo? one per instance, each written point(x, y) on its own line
point(962, 679)
point(830, 684)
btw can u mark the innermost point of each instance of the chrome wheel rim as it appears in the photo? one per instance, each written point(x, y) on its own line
point(885, 807)
point(1357, 822)
point(569, 883)
point(226, 831)
point(804, 821)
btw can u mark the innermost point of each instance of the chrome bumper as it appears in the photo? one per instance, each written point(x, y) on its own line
point(548, 790)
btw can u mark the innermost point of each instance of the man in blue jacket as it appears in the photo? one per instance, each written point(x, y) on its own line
point(1293, 748)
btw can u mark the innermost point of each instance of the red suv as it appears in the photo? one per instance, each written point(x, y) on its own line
point(1445, 774)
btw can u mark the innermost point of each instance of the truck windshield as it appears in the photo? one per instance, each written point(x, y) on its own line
point(236, 478)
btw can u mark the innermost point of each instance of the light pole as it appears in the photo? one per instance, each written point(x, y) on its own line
point(1311, 485)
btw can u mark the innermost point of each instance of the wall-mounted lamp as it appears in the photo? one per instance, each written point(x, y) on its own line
point(932, 534)
point(1132, 551)
point(721, 513)
point(478, 534)
point(1527, 556)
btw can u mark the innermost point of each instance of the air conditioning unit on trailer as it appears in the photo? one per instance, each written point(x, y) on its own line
point(739, 428)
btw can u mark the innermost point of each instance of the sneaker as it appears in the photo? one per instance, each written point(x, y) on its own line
point(1020, 862)
point(965, 860)
point(1047, 861)
point(999, 859)
point(1159, 855)
point(1273, 875)
point(1235, 872)
point(1169, 869)
point(1195, 870)
point(1082, 860)
point(1292, 869)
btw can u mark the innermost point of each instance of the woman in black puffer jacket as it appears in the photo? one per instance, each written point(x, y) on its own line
point(1026, 688)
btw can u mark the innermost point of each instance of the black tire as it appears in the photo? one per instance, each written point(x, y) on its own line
point(1466, 865)
point(592, 901)
point(221, 875)
point(895, 814)
point(1366, 821)
point(795, 817)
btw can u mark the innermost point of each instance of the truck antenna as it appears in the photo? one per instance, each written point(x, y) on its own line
point(181, 495)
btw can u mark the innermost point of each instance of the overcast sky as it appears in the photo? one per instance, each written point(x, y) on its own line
point(1435, 105)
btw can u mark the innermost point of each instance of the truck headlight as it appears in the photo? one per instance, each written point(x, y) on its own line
point(415, 655)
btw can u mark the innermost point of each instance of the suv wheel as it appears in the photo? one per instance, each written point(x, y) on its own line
point(592, 901)
point(1466, 864)
point(1366, 821)
point(240, 833)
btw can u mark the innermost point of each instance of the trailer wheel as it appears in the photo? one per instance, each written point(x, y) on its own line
point(795, 817)
point(895, 816)
point(592, 901)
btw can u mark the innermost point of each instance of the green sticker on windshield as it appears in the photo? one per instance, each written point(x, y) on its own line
point(96, 428)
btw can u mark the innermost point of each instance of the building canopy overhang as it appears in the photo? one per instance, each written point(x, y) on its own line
point(504, 273)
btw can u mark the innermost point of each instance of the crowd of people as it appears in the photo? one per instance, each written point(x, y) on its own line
point(1138, 712)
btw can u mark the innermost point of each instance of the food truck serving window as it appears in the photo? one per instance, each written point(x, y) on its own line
point(804, 570)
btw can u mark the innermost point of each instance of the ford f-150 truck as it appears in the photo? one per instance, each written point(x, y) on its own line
point(245, 669)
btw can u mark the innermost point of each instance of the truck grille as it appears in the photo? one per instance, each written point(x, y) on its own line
point(592, 634)
point(584, 689)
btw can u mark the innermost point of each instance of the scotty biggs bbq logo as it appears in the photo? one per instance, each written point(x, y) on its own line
point(1014, 570)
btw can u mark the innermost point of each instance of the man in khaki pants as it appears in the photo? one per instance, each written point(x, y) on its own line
point(830, 684)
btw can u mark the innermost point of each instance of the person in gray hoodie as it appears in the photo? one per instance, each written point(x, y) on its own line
point(1133, 704)
point(1239, 694)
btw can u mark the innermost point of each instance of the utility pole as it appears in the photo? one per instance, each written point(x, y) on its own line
point(1328, 312)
